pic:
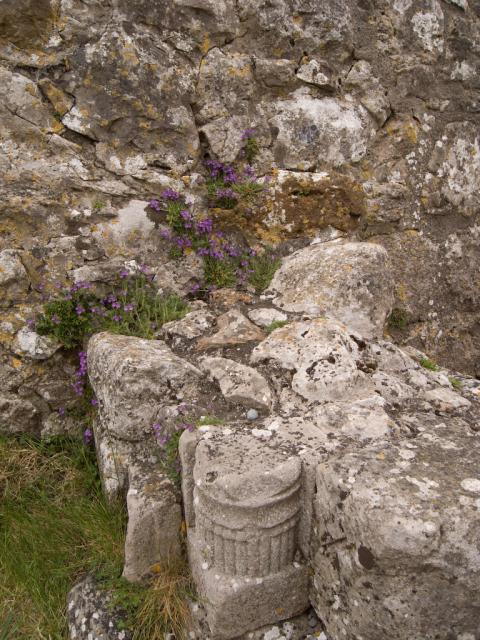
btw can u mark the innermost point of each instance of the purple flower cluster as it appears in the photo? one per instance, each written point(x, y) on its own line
point(80, 374)
point(220, 170)
point(170, 194)
point(248, 133)
point(88, 437)
point(155, 205)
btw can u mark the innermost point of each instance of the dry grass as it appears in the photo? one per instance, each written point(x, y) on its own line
point(164, 607)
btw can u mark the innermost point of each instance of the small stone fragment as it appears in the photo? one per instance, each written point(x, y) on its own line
point(239, 383)
point(265, 316)
point(234, 328)
point(193, 325)
point(30, 344)
point(252, 414)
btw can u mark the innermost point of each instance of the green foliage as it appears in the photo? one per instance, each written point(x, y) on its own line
point(251, 149)
point(55, 525)
point(98, 205)
point(455, 382)
point(262, 269)
point(213, 420)
point(398, 319)
point(276, 324)
point(248, 190)
point(426, 363)
point(220, 273)
point(170, 461)
point(61, 321)
point(134, 308)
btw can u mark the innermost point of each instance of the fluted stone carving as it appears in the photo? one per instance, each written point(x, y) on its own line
point(244, 516)
point(255, 537)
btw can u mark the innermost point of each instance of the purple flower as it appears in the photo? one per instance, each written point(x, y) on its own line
point(123, 273)
point(117, 318)
point(94, 402)
point(88, 436)
point(225, 193)
point(79, 310)
point(61, 411)
point(154, 204)
point(195, 287)
point(128, 307)
point(170, 194)
point(116, 305)
point(144, 269)
point(249, 171)
point(229, 175)
point(205, 225)
point(248, 133)
point(215, 168)
point(55, 319)
point(31, 323)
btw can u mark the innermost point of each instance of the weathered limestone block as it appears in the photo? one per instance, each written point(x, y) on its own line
point(14, 281)
point(193, 325)
point(154, 521)
point(400, 558)
point(348, 281)
point(243, 532)
point(322, 356)
point(239, 383)
point(265, 316)
point(17, 415)
point(132, 377)
point(134, 380)
point(32, 345)
point(233, 328)
point(91, 615)
point(314, 132)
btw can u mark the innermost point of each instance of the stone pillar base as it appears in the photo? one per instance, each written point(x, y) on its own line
point(237, 604)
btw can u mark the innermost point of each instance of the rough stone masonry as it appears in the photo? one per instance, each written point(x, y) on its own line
point(367, 116)
point(367, 110)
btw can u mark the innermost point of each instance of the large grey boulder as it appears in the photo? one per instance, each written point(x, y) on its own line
point(132, 378)
point(397, 548)
point(348, 281)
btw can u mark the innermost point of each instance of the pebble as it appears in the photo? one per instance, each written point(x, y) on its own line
point(252, 414)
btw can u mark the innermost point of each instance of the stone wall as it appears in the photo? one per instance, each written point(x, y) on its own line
point(368, 109)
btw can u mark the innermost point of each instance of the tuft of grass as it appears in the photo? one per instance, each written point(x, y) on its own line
point(164, 606)
point(426, 363)
point(276, 324)
point(209, 420)
point(262, 269)
point(98, 205)
point(455, 382)
point(398, 319)
point(220, 273)
point(55, 526)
